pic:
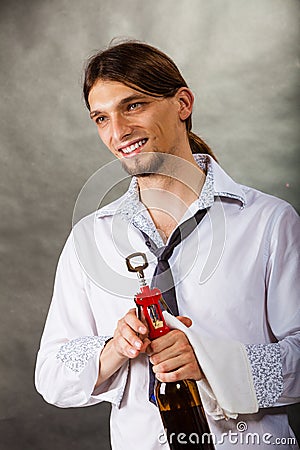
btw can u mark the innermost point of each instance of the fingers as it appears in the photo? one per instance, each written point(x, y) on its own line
point(126, 342)
point(173, 358)
point(185, 320)
point(171, 353)
point(186, 372)
point(133, 322)
point(174, 338)
point(146, 343)
point(172, 364)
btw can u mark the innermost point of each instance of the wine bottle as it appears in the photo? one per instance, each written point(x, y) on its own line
point(179, 402)
point(183, 415)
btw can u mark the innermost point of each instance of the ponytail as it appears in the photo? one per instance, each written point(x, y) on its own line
point(199, 146)
point(196, 143)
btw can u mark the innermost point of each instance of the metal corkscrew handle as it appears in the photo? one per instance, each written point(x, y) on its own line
point(137, 262)
point(147, 299)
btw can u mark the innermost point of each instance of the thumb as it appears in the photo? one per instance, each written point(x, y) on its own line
point(185, 320)
point(146, 346)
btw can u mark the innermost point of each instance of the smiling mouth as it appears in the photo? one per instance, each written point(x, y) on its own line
point(133, 148)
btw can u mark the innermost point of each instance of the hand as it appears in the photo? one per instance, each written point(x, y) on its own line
point(173, 357)
point(124, 344)
point(125, 341)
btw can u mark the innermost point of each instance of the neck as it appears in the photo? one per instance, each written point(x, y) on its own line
point(167, 196)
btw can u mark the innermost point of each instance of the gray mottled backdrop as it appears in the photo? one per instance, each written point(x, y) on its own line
point(240, 58)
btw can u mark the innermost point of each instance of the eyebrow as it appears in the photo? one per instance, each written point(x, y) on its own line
point(122, 102)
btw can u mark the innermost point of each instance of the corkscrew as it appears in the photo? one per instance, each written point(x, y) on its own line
point(148, 300)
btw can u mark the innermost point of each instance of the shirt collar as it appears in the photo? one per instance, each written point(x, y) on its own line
point(131, 209)
point(217, 184)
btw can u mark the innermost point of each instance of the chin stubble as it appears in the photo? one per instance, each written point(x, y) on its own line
point(144, 164)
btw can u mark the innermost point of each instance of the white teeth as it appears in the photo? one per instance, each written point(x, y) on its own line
point(132, 147)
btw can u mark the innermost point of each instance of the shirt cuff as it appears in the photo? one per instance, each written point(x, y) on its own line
point(266, 366)
point(112, 389)
point(76, 353)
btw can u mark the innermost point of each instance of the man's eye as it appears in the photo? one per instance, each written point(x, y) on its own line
point(100, 119)
point(133, 106)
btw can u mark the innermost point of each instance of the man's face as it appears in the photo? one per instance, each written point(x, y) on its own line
point(137, 128)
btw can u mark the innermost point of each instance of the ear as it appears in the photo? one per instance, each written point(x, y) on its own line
point(185, 98)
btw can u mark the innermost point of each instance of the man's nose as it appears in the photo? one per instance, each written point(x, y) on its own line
point(120, 128)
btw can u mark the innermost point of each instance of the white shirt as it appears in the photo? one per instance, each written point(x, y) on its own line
point(236, 277)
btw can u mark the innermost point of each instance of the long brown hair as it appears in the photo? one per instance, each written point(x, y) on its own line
point(146, 69)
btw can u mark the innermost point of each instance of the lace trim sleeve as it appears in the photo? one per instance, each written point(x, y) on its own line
point(76, 353)
point(266, 366)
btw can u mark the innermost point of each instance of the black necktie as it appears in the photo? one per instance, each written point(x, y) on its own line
point(162, 277)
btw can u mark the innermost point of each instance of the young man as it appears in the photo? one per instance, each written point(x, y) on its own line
point(235, 274)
